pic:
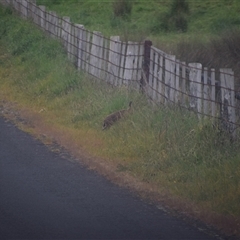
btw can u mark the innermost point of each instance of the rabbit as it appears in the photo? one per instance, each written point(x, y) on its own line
point(112, 118)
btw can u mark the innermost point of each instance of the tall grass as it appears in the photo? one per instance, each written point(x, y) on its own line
point(214, 52)
point(165, 146)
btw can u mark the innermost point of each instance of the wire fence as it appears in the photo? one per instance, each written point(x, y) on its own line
point(163, 78)
point(194, 87)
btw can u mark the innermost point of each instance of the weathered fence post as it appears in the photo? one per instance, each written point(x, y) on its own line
point(31, 10)
point(170, 63)
point(206, 92)
point(81, 52)
point(155, 75)
point(47, 22)
point(114, 60)
point(160, 79)
point(149, 79)
point(146, 63)
point(122, 62)
point(88, 50)
point(137, 66)
point(195, 75)
point(129, 63)
point(16, 5)
point(183, 84)
point(42, 16)
point(24, 9)
point(228, 116)
point(177, 83)
point(66, 30)
point(75, 43)
point(96, 55)
point(72, 44)
point(55, 22)
point(213, 93)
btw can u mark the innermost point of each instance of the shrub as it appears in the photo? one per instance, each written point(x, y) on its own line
point(222, 51)
point(122, 8)
point(175, 19)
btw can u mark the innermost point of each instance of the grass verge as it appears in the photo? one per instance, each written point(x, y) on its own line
point(165, 147)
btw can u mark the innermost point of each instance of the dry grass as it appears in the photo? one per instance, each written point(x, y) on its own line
point(214, 52)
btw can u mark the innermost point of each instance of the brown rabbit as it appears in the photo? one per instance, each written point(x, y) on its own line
point(112, 118)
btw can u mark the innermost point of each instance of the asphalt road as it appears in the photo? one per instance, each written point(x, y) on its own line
point(45, 196)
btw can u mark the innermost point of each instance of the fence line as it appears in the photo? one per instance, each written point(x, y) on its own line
point(163, 78)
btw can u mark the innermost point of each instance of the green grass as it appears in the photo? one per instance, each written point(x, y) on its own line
point(167, 147)
point(205, 17)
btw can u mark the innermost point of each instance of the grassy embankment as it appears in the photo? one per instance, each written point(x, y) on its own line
point(168, 148)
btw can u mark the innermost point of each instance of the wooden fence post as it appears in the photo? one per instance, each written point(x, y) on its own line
point(114, 59)
point(31, 10)
point(129, 63)
point(177, 82)
point(149, 75)
point(195, 75)
point(206, 92)
point(170, 62)
point(137, 67)
point(122, 62)
point(213, 93)
point(81, 52)
point(42, 16)
point(228, 116)
point(24, 9)
point(183, 85)
point(96, 55)
point(14, 4)
point(52, 24)
point(160, 79)
point(75, 44)
point(146, 63)
point(155, 75)
point(66, 30)
point(47, 22)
